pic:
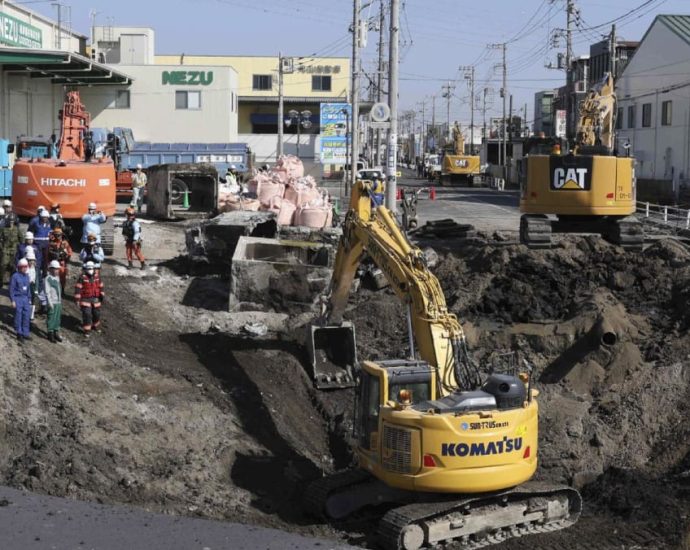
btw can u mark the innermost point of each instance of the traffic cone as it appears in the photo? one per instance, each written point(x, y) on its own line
point(432, 194)
point(398, 194)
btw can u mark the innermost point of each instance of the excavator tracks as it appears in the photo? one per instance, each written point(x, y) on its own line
point(477, 522)
point(627, 232)
point(535, 231)
point(317, 493)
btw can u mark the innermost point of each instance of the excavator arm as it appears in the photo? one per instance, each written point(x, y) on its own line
point(439, 337)
point(596, 125)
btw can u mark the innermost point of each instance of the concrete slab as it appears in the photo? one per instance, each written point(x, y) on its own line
point(278, 274)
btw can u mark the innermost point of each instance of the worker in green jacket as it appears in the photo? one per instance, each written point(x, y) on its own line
point(10, 237)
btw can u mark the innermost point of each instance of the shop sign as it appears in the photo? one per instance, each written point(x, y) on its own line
point(187, 78)
point(14, 32)
point(334, 138)
point(318, 69)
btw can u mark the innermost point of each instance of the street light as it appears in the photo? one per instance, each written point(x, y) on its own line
point(301, 120)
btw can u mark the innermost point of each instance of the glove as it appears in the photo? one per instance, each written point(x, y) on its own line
point(102, 298)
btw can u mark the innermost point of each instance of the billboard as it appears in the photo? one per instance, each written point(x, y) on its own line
point(334, 138)
point(560, 123)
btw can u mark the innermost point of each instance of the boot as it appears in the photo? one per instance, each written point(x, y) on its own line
point(51, 336)
point(57, 336)
point(143, 265)
point(130, 265)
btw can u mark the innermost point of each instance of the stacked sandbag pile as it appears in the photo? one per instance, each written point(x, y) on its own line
point(285, 190)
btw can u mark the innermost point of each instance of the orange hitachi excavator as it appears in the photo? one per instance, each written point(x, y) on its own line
point(73, 179)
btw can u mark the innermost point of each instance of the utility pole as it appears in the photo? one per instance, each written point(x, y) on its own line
point(393, 56)
point(612, 51)
point(433, 120)
point(280, 106)
point(523, 130)
point(354, 94)
point(469, 75)
point(422, 133)
point(510, 118)
point(504, 90)
point(570, 11)
point(379, 78)
point(484, 135)
point(447, 94)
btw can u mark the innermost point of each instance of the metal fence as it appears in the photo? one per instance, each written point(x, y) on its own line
point(678, 218)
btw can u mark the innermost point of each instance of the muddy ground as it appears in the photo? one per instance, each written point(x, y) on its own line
point(175, 408)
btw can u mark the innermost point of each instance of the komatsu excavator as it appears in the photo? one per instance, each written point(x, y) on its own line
point(589, 190)
point(446, 448)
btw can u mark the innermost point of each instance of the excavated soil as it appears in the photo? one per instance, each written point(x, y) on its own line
point(175, 408)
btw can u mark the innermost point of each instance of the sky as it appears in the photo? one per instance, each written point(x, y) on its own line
point(437, 38)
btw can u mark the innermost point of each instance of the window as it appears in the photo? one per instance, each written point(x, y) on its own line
point(187, 100)
point(121, 100)
point(631, 116)
point(619, 118)
point(262, 82)
point(666, 113)
point(646, 115)
point(320, 83)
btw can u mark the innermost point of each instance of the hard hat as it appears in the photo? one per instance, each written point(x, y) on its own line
point(2, 211)
point(89, 265)
point(23, 263)
point(54, 206)
point(57, 231)
point(40, 209)
point(92, 206)
point(44, 214)
point(7, 202)
point(54, 264)
point(29, 236)
point(138, 166)
point(30, 254)
point(129, 211)
point(233, 167)
point(91, 237)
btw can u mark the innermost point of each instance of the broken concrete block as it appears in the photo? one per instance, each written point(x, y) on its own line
point(286, 276)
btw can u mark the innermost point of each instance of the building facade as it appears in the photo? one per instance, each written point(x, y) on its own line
point(654, 102)
point(544, 112)
point(39, 60)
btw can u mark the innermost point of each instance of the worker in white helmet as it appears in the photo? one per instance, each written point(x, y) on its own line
point(139, 182)
point(11, 219)
point(20, 295)
point(53, 293)
point(26, 245)
point(91, 223)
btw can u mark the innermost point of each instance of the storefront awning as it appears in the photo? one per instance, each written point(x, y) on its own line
point(60, 67)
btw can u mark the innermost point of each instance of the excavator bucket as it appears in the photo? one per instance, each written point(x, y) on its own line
point(332, 355)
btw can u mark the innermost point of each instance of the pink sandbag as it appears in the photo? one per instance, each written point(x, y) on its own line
point(292, 165)
point(251, 205)
point(268, 190)
point(300, 195)
point(315, 217)
point(283, 209)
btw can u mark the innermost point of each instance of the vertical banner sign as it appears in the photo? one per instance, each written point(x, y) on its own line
point(392, 154)
point(560, 123)
point(334, 137)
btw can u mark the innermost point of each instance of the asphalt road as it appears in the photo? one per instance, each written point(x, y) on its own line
point(36, 522)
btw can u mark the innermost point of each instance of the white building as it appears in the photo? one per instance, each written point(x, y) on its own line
point(654, 102)
point(38, 61)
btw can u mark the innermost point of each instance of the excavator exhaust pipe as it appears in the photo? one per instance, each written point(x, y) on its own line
point(332, 355)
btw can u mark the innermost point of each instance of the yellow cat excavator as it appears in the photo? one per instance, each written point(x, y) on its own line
point(589, 190)
point(447, 448)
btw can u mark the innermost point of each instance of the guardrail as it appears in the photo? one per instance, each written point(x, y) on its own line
point(664, 215)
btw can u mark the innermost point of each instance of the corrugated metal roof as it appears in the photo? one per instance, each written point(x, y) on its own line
point(679, 24)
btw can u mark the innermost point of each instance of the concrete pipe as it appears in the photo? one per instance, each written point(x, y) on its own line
point(606, 334)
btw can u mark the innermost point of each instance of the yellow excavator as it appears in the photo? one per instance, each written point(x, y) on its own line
point(457, 166)
point(445, 447)
point(589, 190)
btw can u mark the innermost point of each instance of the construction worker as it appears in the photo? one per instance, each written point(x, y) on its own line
point(20, 295)
point(92, 252)
point(378, 189)
point(91, 222)
point(9, 213)
point(10, 236)
point(59, 250)
point(53, 287)
point(56, 219)
point(42, 231)
point(131, 230)
point(23, 247)
point(34, 221)
point(89, 295)
point(34, 277)
point(231, 176)
point(139, 182)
